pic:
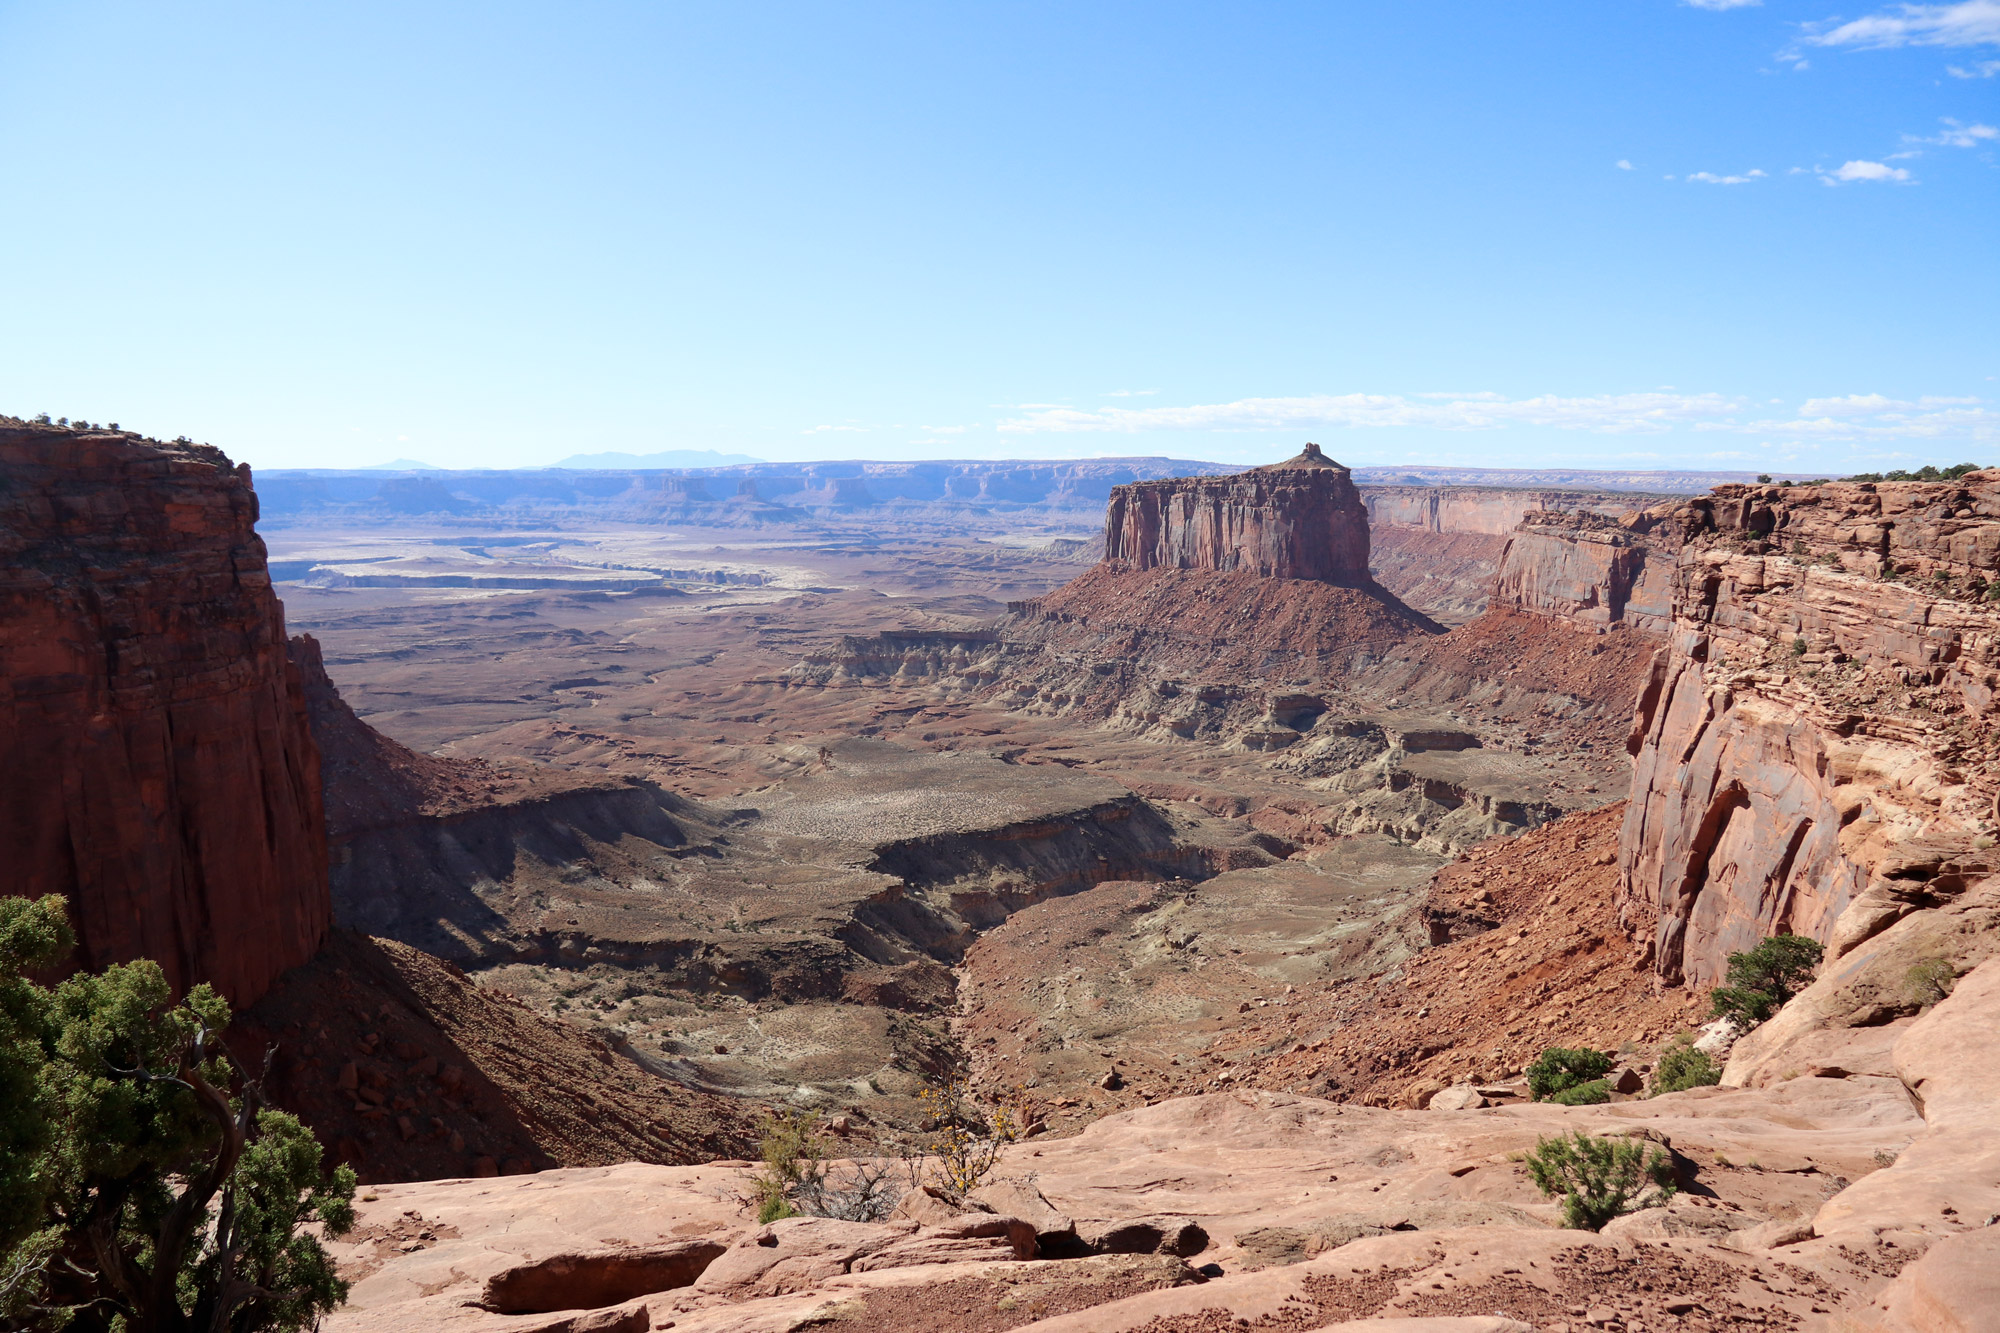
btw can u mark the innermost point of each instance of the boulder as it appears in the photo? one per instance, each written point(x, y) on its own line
point(589, 1280)
point(795, 1254)
point(630, 1318)
point(1463, 1097)
point(926, 1206)
point(1055, 1231)
point(1144, 1235)
point(1953, 1288)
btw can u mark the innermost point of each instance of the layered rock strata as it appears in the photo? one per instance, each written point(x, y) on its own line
point(1299, 519)
point(1589, 569)
point(1816, 750)
point(155, 762)
point(1491, 511)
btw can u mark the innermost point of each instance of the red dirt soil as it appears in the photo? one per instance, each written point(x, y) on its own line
point(1548, 966)
point(1235, 619)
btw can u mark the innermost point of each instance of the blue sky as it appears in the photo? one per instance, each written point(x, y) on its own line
point(1621, 233)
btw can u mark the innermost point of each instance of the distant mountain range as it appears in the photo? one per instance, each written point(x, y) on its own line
point(668, 458)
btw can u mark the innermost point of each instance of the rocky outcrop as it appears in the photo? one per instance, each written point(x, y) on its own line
point(155, 762)
point(1299, 519)
point(1439, 547)
point(1816, 750)
point(1589, 569)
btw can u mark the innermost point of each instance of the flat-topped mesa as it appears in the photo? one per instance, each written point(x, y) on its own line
point(1299, 519)
point(155, 762)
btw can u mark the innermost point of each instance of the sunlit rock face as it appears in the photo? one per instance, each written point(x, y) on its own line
point(1815, 751)
point(1299, 519)
point(155, 762)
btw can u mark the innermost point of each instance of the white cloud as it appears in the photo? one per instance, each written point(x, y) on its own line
point(1867, 416)
point(1862, 170)
point(1623, 165)
point(1984, 69)
point(1850, 417)
point(1723, 4)
point(1131, 393)
point(1710, 178)
point(1958, 135)
point(1967, 23)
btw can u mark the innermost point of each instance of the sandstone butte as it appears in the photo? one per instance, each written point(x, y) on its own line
point(1299, 519)
point(156, 765)
point(1813, 748)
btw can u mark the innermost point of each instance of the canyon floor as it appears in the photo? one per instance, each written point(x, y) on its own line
point(811, 886)
point(1253, 895)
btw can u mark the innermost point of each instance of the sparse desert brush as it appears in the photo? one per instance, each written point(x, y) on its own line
point(1683, 1067)
point(966, 1139)
point(1599, 1179)
point(797, 1180)
point(1931, 980)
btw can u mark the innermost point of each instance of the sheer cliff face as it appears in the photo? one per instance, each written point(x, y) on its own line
point(1816, 749)
point(1301, 519)
point(155, 762)
point(1591, 569)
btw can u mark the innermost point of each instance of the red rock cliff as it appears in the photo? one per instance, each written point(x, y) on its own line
point(1816, 750)
point(155, 762)
point(1588, 568)
point(1300, 519)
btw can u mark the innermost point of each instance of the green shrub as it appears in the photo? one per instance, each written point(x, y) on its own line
point(794, 1155)
point(1763, 978)
point(1599, 1179)
point(1593, 1093)
point(1930, 980)
point(797, 1182)
point(143, 1182)
point(1683, 1067)
point(1560, 1068)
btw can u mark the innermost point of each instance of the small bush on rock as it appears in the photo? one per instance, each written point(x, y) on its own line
point(1593, 1093)
point(797, 1179)
point(1931, 980)
point(1599, 1179)
point(966, 1143)
point(1561, 1068)
point(1683, 1067)
point(1763, 978)
point(794, 1153)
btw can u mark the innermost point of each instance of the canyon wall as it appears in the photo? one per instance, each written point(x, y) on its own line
point(1816, 750)
point(1584, 567)
point(1494, 511)
point(155, 761)
point(1300, 519)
